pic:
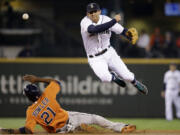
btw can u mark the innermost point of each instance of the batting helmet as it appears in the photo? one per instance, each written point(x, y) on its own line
point(32, 92)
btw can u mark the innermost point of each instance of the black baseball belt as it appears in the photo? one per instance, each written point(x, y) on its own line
point(100, 53)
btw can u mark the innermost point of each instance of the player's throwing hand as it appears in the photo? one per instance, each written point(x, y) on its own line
point(117, 17)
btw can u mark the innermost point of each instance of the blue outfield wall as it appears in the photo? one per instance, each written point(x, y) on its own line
point(82, 90)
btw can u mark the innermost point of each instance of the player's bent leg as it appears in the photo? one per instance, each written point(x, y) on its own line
point(102, 122)
point(105, 76)
point(118, 66)
point(118, 80)
point(128, 128)
point(100, 68)
point(77, 119)
point(121, 69)
point(115, 126)
point(141, 87)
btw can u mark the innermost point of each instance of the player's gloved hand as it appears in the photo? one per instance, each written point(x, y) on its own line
point(132, 35)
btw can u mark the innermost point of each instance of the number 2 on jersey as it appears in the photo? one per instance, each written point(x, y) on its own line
point(46, 114)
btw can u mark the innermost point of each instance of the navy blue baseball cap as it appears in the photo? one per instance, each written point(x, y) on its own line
point(92, 7)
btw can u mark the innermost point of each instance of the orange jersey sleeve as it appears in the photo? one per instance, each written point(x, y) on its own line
point(52, 89)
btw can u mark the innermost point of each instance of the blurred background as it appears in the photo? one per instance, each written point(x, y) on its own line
point(27, 26)
point(38, 29)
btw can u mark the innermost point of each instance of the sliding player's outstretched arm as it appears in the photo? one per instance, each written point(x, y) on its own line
point(35, 79)
point(22, 130)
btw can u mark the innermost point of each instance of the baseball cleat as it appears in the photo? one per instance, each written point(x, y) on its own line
point(141, 88)
point(118, 80)
point(128, 128)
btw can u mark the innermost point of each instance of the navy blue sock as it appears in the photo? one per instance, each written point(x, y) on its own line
point(134, 81)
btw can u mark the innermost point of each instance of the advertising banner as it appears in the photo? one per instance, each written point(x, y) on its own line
point(82, 91)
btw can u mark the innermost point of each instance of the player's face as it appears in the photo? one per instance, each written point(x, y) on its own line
point(172, 67)
point(94, 15)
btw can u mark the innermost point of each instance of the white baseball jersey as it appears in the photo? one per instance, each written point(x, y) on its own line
point(96, 43)
point(172, 80)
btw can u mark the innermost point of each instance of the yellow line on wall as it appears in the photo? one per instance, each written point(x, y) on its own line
point(84, 60)
point(45, 60)
point(151, 61)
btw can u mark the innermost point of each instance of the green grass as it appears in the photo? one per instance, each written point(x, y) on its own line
point(12, 122)
point(152, 124)
point(142, 124)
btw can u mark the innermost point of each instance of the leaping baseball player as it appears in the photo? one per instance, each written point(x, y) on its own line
point(107, 65)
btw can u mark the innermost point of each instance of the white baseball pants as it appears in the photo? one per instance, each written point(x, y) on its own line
point(77, 118)
point(171, 97)
point(110, 61)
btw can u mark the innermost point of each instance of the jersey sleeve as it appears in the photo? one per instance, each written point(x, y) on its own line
point(85, 23)
point(165, 78)
point(52, 89)
point(117, 28)
point(30, 122)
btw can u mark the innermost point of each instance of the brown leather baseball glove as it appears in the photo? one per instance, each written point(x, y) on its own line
point(132, 35)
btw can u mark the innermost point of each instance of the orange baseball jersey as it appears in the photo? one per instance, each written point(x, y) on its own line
point(46, 111)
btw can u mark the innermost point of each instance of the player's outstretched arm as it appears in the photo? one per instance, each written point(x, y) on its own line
point(22, 130)
point(35, 79)
point(93, 29)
